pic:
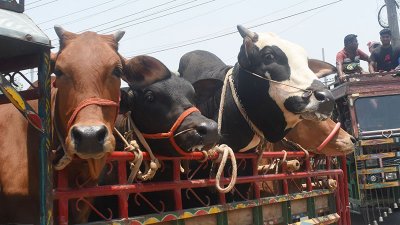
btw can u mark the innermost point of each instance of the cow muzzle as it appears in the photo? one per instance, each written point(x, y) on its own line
point(326, 102)
point(89, 141)
point(320, 105)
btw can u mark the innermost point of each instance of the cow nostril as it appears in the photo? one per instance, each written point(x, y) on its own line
point(202, 129)
point(101, 134)
point(353, 139)
point(320, 95)
point(76, 135)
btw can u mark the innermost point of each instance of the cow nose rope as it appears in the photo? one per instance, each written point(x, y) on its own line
point(135, 165)
point(329, 138)
point(274, 81)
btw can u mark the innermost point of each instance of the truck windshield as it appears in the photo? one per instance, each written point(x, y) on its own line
point(378, 112)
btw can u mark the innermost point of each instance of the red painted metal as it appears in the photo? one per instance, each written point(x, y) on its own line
point(63, 193)
point(346, 189)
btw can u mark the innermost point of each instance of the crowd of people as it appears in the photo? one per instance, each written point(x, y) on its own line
point(383, 56)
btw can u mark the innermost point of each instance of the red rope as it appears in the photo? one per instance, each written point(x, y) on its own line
point(87, 102)
point(170, 133)
point(329, 138)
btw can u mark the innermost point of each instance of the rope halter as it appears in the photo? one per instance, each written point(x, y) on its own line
point(91, 101)
point(170, 134)
point(67, 158)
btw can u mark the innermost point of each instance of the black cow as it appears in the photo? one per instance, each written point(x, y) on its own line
point(155, 107)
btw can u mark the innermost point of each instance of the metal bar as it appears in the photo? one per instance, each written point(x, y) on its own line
point(346, 189)
point(169, 185)
point(62, 184)
point(338, 201)
point(177, 189)
point(122, 155)
point(286, 212)
point(122, 197)
point(255, 173)
point(258, 215)
point(46, 175)
point(222, 218)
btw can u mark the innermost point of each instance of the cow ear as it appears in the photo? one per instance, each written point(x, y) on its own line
point(246, 52)
point(126, 102)
point(321, 68)
point(141, 71)
point(206, 88)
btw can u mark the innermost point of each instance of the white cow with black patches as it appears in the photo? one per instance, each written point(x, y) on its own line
point(276, 83)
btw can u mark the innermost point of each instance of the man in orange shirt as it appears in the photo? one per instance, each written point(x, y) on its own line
point(348, 59)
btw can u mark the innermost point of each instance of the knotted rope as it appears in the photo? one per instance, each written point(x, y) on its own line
point(223, 152)
point(154, 163)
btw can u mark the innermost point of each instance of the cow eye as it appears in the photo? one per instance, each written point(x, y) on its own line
point(269, 57)
point(117, 71)
point(57, 72)
point(149, 96)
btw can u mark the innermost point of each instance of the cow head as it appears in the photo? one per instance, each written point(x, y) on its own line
point(158, 100)
point(311, 134)
point(293, 83)
point(88, 73)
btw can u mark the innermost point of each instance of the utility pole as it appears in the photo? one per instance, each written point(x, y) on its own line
point(393, 22)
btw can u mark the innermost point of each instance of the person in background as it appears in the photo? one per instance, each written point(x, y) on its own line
point(348, 59)
point(372, 45)
point(384, 57)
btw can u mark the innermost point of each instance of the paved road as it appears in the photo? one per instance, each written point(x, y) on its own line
point(393, 219)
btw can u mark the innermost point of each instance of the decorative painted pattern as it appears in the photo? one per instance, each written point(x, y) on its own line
point(380, 185)
point(376, 156)
point(189, 213)
point(377, 141)
point(378, 170)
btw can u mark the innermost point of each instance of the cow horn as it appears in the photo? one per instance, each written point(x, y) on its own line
point(59, 31)
point(118, 35)
point(244, 32)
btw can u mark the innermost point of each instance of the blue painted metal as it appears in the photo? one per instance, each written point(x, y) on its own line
point(46, 176)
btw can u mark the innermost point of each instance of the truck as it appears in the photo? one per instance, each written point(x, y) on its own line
point(366, 106)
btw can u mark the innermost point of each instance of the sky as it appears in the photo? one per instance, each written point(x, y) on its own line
point(167, 29)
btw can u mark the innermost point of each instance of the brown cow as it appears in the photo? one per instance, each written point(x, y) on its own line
point(85, 104)
point(310, 134)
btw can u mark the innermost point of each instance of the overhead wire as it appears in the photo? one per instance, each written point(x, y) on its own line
point(94, 14)
point(37, 6)
point(157, 17)
point(225, 29)
point(190, 7)
point(73, 13)
point(182, 21)
point(33, 2)
point(124, 17)
point(234, 32)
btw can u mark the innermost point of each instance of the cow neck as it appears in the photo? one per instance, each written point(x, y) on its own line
point(258, 137)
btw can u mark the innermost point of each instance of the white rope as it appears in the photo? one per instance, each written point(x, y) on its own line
point(225, 150)
point(154, 163)
point(137, 161)
point(253, 127)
